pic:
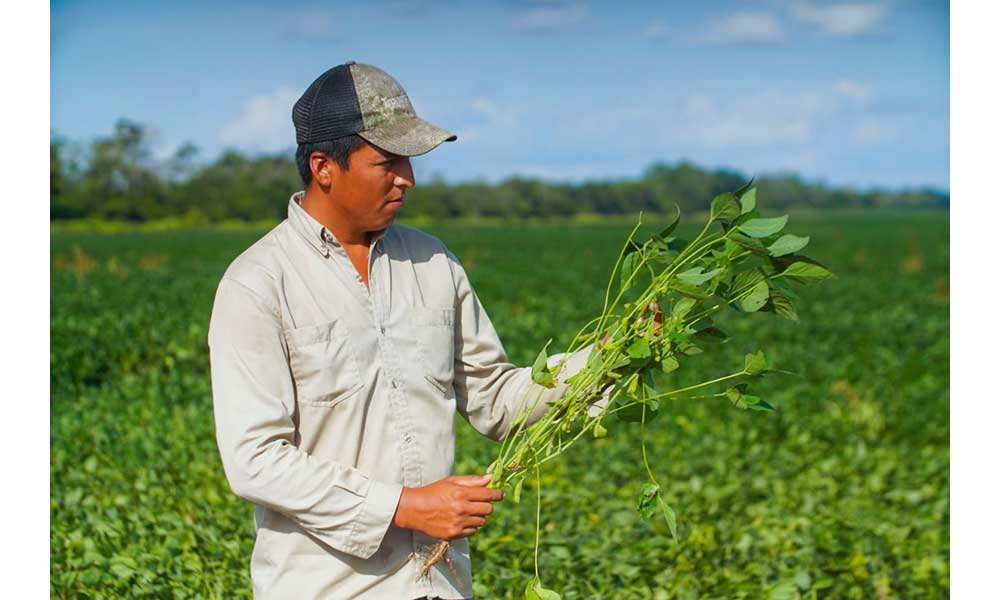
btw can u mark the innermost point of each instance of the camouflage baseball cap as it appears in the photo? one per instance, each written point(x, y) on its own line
point(362, 99)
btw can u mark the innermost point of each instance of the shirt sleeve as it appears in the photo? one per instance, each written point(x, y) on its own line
point(253, 397)
point(489, 390)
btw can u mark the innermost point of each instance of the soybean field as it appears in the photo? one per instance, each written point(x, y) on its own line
point(842, 492)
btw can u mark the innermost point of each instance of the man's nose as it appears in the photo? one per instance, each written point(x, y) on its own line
point(404, 177)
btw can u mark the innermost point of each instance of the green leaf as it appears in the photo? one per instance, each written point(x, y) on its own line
point(688, 349)
point(639, 349)
point(745, 280)
point(683, 307)
point(748, 201)
point(671, 226)
point(758, 228)
point(806, 273)
point(690, 291)
point(595, 360)
point(725, 207)
point(755, 363)
point(760, 404)
point(669, 515)
point(758, 295)
point(647, 494)
point(517, 490)
point(735, 395)
point(782, 305)
point(600, 431)
point(823, 583)
point(743, 188)
point(540, 372)
point(669, 364)
point(751, 214)
point(786, 590)
point(697, 275)
point(630, 263)
point(535, 591)
point(712, 335)
point(620, 360)
point(787, 244)
point(749, 243)
point(662, 256)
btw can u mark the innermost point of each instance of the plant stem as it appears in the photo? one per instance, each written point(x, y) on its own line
point(700, 385)
point(538, 515)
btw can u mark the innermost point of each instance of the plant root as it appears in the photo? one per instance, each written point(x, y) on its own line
point(439, 552)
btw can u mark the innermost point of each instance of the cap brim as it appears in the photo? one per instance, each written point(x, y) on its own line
point(411, 136)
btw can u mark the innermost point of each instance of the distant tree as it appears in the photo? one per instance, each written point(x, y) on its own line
point(65, 201)
point(118, 179)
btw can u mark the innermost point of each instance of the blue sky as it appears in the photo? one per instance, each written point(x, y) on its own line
point(850, 93)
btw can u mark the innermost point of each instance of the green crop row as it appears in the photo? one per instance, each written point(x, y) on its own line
point(841, 493)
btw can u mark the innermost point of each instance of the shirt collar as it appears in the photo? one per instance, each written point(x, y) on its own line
point(314, 232)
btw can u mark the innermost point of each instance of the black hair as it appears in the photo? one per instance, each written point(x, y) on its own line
point(338, 150)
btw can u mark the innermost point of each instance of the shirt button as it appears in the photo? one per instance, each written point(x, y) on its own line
point(382, 329)
point(395, 384)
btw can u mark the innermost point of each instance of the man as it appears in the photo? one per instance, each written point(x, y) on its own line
point(341, 347)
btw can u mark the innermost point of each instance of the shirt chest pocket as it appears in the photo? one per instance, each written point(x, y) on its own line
point(323, 365)
point(435, 336)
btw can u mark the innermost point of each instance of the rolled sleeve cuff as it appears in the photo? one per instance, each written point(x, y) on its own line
point(376, 515)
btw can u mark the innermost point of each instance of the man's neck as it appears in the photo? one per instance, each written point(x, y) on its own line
point(323, 209)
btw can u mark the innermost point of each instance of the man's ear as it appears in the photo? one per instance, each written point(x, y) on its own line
point(322, 168)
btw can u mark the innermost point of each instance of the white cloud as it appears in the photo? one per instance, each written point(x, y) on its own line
point(853, 92)
point(551, 17)
point(484, 121)
point(743, 27)
point(656, 29)
point(265, 123)
point(876, 131)
point(771, 116)
point(573, 172)
point(841, 20)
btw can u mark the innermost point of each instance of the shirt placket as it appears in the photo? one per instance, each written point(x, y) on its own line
point(379, 289)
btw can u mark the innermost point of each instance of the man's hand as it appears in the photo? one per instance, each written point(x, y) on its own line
point(451, 508)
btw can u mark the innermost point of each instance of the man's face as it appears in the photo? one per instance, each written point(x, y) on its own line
point(371, 191)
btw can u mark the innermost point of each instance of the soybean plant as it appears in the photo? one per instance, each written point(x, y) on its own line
point(657, 315)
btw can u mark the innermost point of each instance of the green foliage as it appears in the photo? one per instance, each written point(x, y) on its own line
point(535, 591)
point(705, 277)
point(118, 179)
point(787, 244)
point(540, 372)
point(842, 493)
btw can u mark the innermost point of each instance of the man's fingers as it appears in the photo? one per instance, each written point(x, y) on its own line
point(484, 494)
point(468, 531)
point(476, 522)
point(480, 508)
point(472, 480)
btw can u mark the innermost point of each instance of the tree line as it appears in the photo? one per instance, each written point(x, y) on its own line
point(117, 178)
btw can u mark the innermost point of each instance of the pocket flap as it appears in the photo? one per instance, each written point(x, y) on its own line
point(429, 315)
point(310, 334)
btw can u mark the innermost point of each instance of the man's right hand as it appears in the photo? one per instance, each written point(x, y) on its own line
point(451, 508)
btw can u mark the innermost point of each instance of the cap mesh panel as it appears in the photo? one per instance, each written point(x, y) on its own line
point(328, 109)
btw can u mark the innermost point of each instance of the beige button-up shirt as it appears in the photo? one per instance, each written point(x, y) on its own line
point(330, 397)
